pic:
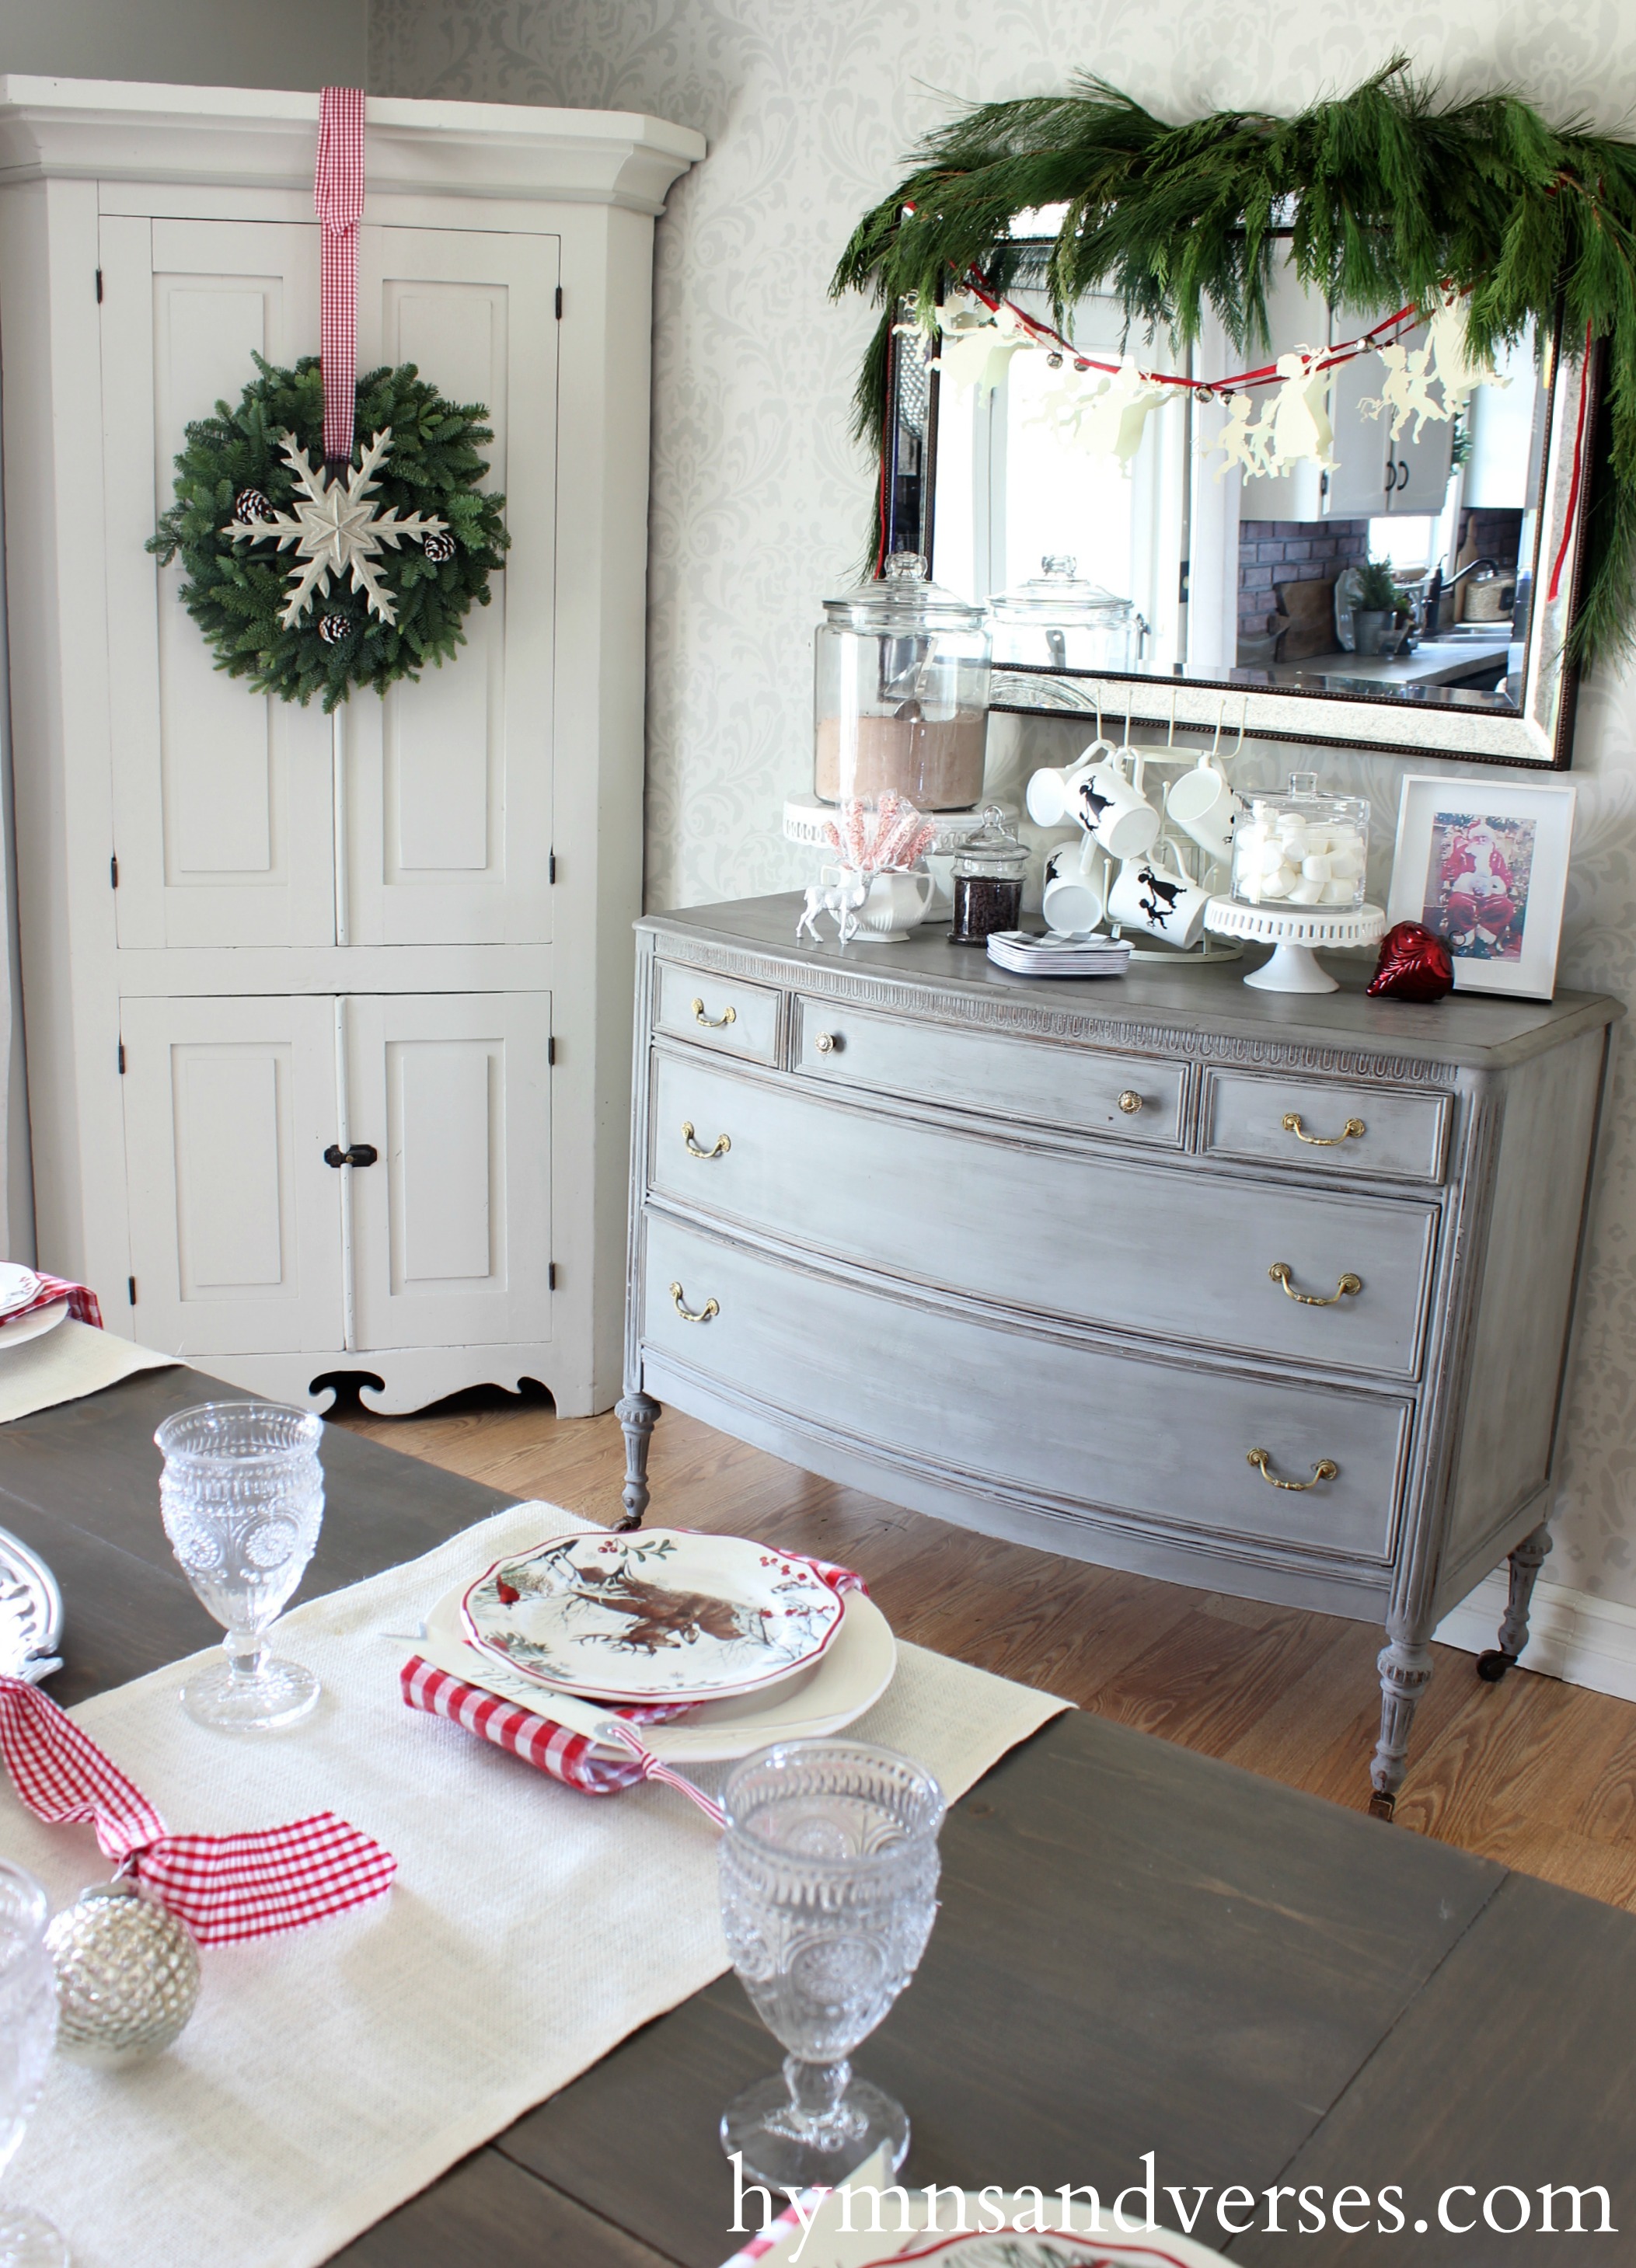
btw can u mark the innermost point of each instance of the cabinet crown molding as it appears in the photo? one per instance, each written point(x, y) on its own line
point(258, 138)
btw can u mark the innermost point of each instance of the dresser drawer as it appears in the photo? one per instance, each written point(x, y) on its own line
point(1354, 1130)
point(1161, 1247)
point(724, 1012)
point(1132, 1097)
point(1016, 1415)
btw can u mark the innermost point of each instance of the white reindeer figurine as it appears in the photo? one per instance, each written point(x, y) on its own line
point(843, 899)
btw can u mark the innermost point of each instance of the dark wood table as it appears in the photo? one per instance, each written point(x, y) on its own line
point(1138, 1949)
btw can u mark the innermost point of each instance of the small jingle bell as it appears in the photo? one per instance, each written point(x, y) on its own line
point(250, 506)
point(127, 1972)
point(333, 627)
point(438, 547)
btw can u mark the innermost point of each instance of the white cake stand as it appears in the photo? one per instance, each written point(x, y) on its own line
point(805, 819)
point(1297, 934)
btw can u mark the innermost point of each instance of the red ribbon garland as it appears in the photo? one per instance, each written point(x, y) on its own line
point(338, 199)
point(226, 1888)
point(1579, 468)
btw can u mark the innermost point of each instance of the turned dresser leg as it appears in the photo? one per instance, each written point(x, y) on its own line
point(637, 1413)
point(1526, 1562)
point(1405, 1667)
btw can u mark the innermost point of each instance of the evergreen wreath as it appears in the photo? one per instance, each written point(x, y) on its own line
point(235, 469)
point(1386, 196)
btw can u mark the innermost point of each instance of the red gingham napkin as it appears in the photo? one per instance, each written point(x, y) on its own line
point(224, 1886)
point(338, 200)
point(82, 1301)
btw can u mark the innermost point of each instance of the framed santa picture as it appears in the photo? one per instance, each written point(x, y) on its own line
point(1484, 866)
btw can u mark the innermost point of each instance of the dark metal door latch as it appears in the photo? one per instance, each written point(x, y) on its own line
point(361, 1153)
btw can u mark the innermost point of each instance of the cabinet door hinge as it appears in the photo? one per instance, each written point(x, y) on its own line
point(114, 872)
point(550, 1275)
point(550, 1048)
point(121, 1055)
point(559, 297)
point(550, 866)
point(98, 287)
point(130, 1289)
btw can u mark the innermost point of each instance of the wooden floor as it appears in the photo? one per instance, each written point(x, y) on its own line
point(1535, 1773)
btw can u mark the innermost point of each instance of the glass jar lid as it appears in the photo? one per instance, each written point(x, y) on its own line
point(1058, 597)
point(1303, 799)
point(903, 601)
point(993, 850)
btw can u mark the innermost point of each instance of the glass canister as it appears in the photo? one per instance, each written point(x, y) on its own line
point(1300, 848)
point(901, 692)
point(1055, 621)
point(988, 875)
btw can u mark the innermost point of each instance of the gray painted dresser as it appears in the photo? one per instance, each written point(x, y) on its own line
point(1267, 1294)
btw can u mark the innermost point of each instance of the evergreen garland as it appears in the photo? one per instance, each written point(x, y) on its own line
point(1389, 193)
point(236, 593)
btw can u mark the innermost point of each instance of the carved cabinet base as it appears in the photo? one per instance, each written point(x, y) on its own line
point(1266, 1295)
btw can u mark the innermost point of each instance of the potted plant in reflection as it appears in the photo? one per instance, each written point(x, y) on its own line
point(1380, 609)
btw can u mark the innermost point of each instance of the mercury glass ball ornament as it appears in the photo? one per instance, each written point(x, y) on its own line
point(128, 1975)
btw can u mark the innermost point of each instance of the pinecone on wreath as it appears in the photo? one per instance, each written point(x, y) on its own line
point(440, 548)
point(333, 627)
point(250, 506)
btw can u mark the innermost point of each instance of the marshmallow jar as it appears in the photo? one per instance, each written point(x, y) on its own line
point(1301, 848)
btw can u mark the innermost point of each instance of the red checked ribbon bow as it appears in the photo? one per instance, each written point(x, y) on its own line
point(338, 200)
point(224, 1886)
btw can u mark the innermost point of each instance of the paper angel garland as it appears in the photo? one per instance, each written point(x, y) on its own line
point(977, 345)
point(1104, 413)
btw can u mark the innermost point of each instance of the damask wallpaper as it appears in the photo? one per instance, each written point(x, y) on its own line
point(759, 497)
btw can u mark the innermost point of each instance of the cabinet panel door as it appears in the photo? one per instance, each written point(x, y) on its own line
point(222, 797)
point(450, 1228)
point(235, 1220)
point(449, 780)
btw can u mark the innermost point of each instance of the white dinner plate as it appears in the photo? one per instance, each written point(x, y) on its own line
point(32, 1327)
point(849, 1678)
point(18, 1285)
point(663, 1615)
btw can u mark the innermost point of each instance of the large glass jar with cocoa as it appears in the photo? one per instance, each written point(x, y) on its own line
point(901, 692)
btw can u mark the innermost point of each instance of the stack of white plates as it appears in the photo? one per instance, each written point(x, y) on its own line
point(750, 1642)
point(18, 1287)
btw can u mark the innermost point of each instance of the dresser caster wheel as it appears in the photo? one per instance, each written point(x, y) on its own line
point(1493, 1665)
point(1381, 1806)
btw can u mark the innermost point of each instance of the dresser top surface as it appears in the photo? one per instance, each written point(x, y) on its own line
point(1478, 1033)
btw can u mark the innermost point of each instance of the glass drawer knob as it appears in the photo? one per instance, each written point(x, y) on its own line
point(1130, 1102)
point(828, 1044)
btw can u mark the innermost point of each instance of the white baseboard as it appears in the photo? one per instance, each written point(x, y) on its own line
point(1584, 1640)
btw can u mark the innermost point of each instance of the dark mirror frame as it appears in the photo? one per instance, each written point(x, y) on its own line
point(1539, 734)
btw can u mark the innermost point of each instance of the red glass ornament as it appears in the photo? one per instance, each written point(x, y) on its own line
point(1414, 965)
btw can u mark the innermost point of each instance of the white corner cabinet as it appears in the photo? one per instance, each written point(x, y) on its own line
point(328, 1047)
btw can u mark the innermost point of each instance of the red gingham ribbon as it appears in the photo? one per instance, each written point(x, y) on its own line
point(338, 200)
point(224, 1886)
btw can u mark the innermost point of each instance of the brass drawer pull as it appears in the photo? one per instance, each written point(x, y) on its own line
point(720, 1149)
point(714, 1023)
point(1325, 1469)
point(1348, 1288)
point(711, 1307)
point(1130, 1102)
point(1353, 1130)
point(828, 1044)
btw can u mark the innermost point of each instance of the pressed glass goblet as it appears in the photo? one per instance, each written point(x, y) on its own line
point(829, 1889)
point(242, 1494)
point(28, 2030)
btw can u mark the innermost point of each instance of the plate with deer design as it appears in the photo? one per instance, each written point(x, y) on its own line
point(659, 1616)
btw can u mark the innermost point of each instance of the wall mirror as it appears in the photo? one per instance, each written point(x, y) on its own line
point(1205, 591)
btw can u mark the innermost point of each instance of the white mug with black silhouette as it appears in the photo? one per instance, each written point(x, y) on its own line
point(1148, 896)
point(1076, 888)
point(1102, 797)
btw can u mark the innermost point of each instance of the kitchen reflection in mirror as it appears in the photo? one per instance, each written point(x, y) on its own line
point(1386, 596)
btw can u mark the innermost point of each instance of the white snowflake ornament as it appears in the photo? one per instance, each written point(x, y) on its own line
point(336, 530)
